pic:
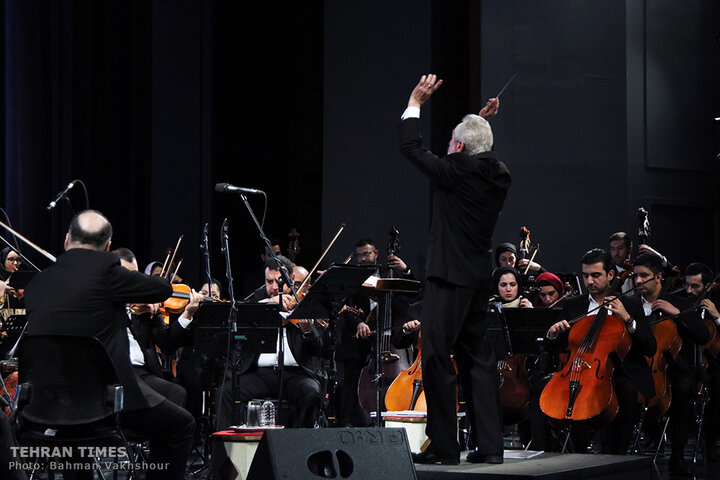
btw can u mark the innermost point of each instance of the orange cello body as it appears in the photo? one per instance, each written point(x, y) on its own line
point(668, 345)
point(514, 388)
point(582, 392)
point(406, 392)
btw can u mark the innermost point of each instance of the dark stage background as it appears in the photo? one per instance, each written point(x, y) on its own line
point(150, 103)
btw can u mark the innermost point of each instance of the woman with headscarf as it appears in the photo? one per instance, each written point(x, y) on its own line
point(9, 262)
point(506, 287)
point(550, 290)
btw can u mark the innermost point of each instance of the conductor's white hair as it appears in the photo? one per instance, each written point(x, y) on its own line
point(475, 132)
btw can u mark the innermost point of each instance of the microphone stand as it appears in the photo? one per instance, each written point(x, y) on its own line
point(284, 279)
point(232, 320)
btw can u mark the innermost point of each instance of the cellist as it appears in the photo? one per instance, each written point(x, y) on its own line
point(698, 279)
point(631, 375)
point(685, 370)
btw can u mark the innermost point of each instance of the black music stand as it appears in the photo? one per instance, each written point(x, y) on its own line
point(257, 327)
point(330, 290)
point(527, 325)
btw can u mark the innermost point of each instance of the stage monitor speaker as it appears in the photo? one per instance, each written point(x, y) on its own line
point(341, 453)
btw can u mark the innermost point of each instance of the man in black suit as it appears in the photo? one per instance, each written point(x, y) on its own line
point(147, 332)
point(257, 375)
point(85, 293)
point(470, 186)
point(685, 370)
point(631, 375)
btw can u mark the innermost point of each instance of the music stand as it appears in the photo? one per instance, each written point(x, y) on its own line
point(527, 325)
point(330, 290)
point(257, 327)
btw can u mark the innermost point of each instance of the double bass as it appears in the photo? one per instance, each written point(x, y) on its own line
point(582, 392)
point(386, 361)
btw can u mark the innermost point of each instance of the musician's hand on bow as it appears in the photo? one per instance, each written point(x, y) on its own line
point(490, 109)
point(424, 90)
point(362, 330)
point(557, 329)
point(534, 266)
point(411, 326)
point(710, 307)
point(396, 263)
point(665, 306)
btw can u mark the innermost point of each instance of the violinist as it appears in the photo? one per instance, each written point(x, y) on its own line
point(550, 289)
point(258, 375)
point(64, 299)
point(270, 291)
point(633, 373)
point(215, 291)
point(147, 332)
point(685, 371)
point(506, 288)
point(698, 278)
point(10, 261)
point(621, 247)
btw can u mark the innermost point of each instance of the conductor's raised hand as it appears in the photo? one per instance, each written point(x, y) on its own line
point(424, 90)
point(490, 109)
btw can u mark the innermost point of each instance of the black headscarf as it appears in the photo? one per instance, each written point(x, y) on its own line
point(504, 247)
point(4, 274)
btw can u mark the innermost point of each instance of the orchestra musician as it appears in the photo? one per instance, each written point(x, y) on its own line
point(9, 262)
point(506, 255)
point(147, 332)
point(258, 375)
point(470, 189)
point(506, 286)
point(685, 371)
point(66, 299)
point(633, 373)
point(698, 278)
point(354, 334)
point(621, 246)
point(550, 289)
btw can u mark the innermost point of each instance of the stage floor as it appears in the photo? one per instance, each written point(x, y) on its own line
point(554, 466)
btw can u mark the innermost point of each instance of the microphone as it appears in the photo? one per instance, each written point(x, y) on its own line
point(60, 196)
point(227, 188)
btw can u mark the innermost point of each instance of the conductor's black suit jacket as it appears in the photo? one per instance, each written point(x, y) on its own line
point(84, 293)
point(468, 193)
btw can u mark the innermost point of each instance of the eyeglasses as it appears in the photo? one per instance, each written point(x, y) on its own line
point(365, 254)
point(14, 260)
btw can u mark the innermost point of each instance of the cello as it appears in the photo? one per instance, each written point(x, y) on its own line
point(582, 392)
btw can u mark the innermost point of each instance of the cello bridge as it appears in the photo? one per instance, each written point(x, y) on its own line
point(388, 357)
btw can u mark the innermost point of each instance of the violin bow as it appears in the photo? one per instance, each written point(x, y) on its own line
point(304, 283)
point(28, 242)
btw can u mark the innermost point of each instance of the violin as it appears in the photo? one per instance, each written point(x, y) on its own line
point(582, 392)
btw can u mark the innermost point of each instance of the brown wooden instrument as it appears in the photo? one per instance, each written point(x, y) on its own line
point(668, 346)
point(514, 388)
point(582, 392)
point(406, 392)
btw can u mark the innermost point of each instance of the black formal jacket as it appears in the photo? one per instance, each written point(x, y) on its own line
point(469, 192)
point(150, 331)
point(85, 294)
point(635, 366)
point(694, 333)
point(307, 350)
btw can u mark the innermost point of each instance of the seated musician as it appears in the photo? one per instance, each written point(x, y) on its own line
point(621, 246)
point(215, 290)
point(258, 375)
point(698, 278)
point(550, 290)
point(684, 371)
point(9, 262)
point(633, 373)
point(506, 286)
point(354, 332)
point(506, 256)
point(147, 332)
point(64, 299)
